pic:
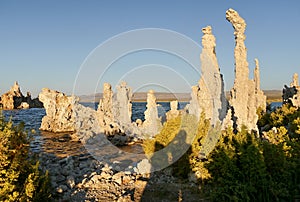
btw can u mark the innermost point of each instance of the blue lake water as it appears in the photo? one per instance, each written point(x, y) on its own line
point(33, 117)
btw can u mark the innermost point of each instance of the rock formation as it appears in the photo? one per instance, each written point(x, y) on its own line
point(295, 82)
point(245, 96)
point(174, 112)
point(104, 113)
point(152, 123)
point(122, 104)
point(292, 94)
point(14, 99)
point(193, 107)
point(8, 99)
point(261, 98)
point(59, 111)
point(114, 110)
point(208, 96)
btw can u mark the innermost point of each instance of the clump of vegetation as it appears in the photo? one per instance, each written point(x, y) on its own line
point(20, 177)
point(167, 134)
point(183, 126)
point(241, 167)
point(246, 168)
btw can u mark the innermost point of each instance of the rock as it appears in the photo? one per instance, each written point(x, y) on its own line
point(211, 96)
point(292, 94)
point(245, 96)
point(174, 112)
point(61, 188)
point(295, 81)
point(105, 175)
point(208, 96)
point(152, 123)
point(122, 104)
point(117, 178)
point(23, 105)
point(14, 99)
point(261, 98)
point(59, 111)
point(194, 107)
point(96, 178)
point(104, 111)
point(143, 167)
point(86, 124)
point(71, 181)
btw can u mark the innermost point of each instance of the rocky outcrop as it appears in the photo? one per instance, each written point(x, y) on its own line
point(59, 111)
point(208, 96)
point(245, 96)
point(14, 99)
point(114, 110)
point(261, 98)
point(152, 124)
point(292, 94)
point(193, 107)
point(122, 104)
point(104, 112)
point(174, 112)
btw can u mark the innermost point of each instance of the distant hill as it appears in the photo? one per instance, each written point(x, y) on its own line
point(272, 95)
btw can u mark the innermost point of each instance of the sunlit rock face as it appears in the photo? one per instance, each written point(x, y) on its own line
point(292, 94)
point(208, 96)
point(59, 111)
point(14, 99)
point(174, 112)
point(114, 110)
point(152, 124)
point(261, 98)
point(104, 112)
point(245, 96)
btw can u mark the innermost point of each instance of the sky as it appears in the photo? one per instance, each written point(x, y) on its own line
point(48, 43)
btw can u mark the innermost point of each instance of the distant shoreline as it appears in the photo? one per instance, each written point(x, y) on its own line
point(272, 96)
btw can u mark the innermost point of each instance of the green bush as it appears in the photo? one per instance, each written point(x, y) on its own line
point(245, 168)
point(20, 177)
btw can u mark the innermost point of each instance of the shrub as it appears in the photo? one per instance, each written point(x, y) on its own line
point(20, 177)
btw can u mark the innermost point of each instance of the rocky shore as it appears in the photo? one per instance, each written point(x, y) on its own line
point(77, 176)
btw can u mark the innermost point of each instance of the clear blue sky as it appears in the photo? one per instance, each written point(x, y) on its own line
point(44, 43)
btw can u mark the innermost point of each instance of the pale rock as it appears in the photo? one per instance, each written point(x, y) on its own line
point(24, 105)
point(295, 81)
point(292, 94)
point(14, 99)
point(122, 104)
point(9, 99)
point(117, 178)
point(174, 112)
point(59, 111)
point(245, 96)
point(208, 96)
point(61, 188)
point(71, 181)
point(152, 123)
point(260, 97)
point(193, 107)
point(104, 111)
point(143, 167)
